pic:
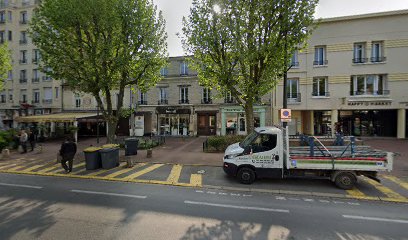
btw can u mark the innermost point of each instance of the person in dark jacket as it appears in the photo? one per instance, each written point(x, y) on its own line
point(67, 152)
point(31, 139)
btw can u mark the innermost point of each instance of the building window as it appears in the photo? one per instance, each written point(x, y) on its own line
point(164, 71)
point(10, 93)
point(163, 96)
point(47, 95)
point(294, 61)
point(23, 37)
point(368, 85)
point(56, 92)
point(77, 101)
point(292, 88)
point(23, 57)
point(320, 56)
point(36, 96)
point(2, 17)
point(36, 56)
point(377, 54)
point(10, 75)
point(183, 68)
point(47, 78)
point(359, 53)
point(142, 98)
point(10, 16)
point(183, 94)
point(23, 76)
point(23, 17)
point(23, 96)
point(2, 34)
point(3, 97)
point(228, 98)
point(36, 77)
point(206, 96)
point(320, 87)
point(10, 36)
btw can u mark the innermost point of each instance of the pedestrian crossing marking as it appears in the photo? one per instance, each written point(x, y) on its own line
point(388, 192)
point(396, 180)
point(142, 172)
point(175, 174)
point(15, 168)
point(125, 170)
point(7, 165)
point(196, 180)
point(32, 168)
point(49, 168)
point(73, 167)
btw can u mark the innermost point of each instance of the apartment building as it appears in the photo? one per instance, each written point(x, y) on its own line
point(27, 91)
point(353, 77)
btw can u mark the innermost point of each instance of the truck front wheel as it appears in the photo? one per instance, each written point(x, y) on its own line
point(345, 180)
point(246, 175)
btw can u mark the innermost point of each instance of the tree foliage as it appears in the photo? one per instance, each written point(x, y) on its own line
point(241, 46)
point(101, 47)
point(5, 63)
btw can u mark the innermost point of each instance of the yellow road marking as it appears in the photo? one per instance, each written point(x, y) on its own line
point(83, 170)
point(355, 193)
point(396, 180)
point(49, 168)
point(175, 174)
point(74, 166)
point(196, 180)
point(97, 172)
point(142, 172)
point(7, 165)
point(388, 192)
point(15, 168)
point(112, 175)
point(33, 168)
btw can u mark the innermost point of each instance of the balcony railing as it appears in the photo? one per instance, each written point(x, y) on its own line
point(36, 101)
point(47, 101)
point(378, 59)
point(184, 101)
point(23, 61)
point(46, 79)
point(229, 100)
point(294, 64)
point(22, 101)
point(23, 41)
point(23, 80)
point(35, 80)
point(3, 101)
point(321, 94)
point(360, 60)
point(378, 92)
point(206, 101)
point(2, 21)
point(320, 62)
point(163, 102)
point(294, 97)
point(24, 21)
point(35, 60)
point(142, 102)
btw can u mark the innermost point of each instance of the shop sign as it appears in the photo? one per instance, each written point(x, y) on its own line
point(240, 110)
point(378, 103)
point(170, 110)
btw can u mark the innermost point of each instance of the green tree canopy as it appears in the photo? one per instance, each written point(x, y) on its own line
point(241, 46)
point(101, 46)
point(5, 64)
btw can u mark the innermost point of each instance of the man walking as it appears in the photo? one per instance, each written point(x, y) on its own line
point(67, 152)
point(31, 139)
point(23, 140)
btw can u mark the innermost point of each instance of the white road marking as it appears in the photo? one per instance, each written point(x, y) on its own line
point(280, 198)
point(222, 193)
point(235, 194)
point(308, 200)
point(20, 185)
point(376, 219)
point(199, 191)
point(211, 192)
point(294, 199)
point(338, 202)
point(353, 203)
point(109, 194)
point(245, 195)
point(237, 207)
point(324, 201)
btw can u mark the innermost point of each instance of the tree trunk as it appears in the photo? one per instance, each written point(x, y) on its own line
point(111, 125)
point(249, 117)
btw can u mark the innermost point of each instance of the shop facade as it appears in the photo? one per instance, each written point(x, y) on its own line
point(233, 120)
point(174, 120)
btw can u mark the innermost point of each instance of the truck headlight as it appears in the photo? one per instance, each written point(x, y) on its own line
point(230, 156)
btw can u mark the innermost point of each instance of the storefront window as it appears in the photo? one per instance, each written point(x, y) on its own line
point(174, 124)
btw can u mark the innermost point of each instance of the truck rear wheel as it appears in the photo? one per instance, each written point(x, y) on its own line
point(246, 175)
point(345, 180)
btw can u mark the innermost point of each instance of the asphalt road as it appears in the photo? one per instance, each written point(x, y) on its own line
point(34, 207)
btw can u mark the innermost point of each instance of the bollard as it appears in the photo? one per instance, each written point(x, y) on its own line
point(5, 153)
point(149, 153)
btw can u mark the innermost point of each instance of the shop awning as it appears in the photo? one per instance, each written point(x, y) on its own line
point(56, 117)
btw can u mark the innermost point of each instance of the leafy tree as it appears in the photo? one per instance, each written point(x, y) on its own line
point(5, 63)
point(241, 46)
point(101, 46)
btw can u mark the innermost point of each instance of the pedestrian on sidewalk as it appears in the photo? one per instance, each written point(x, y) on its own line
point(67, 152)
point(23, 141)
point(31, 139)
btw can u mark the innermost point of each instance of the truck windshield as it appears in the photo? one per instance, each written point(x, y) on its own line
point(248, 140)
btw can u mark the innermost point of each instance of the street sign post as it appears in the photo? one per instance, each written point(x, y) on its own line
point(286, 115)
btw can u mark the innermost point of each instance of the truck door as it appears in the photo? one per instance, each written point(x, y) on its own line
point(267, 156)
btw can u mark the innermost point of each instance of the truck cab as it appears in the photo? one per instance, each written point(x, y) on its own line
point(259, 155)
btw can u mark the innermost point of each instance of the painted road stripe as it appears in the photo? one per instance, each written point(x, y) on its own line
point(48, 169)
point(7, 165)
point(175, 174)
point(119, 172)
point(376, 219)
point(356, 193)
point(15, 168)
point(32, 168)
point(142, 172)
point(396, 180)
point(237, 207)
point(20, 185)
point(73, 167)
point(388, 192)
point(109, 194)
point(196, 180)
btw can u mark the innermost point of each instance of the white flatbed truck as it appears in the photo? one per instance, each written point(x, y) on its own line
point(265, 153)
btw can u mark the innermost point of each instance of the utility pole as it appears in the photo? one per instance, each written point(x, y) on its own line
point(97, 123)
point(285, 76)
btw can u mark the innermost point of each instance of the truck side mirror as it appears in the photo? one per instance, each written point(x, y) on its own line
point(276, 157)
point(247, 150)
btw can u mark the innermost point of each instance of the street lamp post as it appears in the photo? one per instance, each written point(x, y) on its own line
point(97, 123)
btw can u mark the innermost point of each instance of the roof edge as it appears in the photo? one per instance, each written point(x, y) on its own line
point(362, 16)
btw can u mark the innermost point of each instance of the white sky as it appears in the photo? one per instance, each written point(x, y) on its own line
point(174, 10)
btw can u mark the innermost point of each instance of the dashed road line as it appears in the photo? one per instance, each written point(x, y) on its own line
point(109, 194)
point(237, 207)
point(396, 180)
point(376, 219)
point(20, 185)
point(324, 201)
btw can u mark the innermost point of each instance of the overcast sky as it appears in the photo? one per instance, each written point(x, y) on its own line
point(174, 10)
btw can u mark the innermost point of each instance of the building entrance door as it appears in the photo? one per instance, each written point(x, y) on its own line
point(206, 124)
point(241, 124)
